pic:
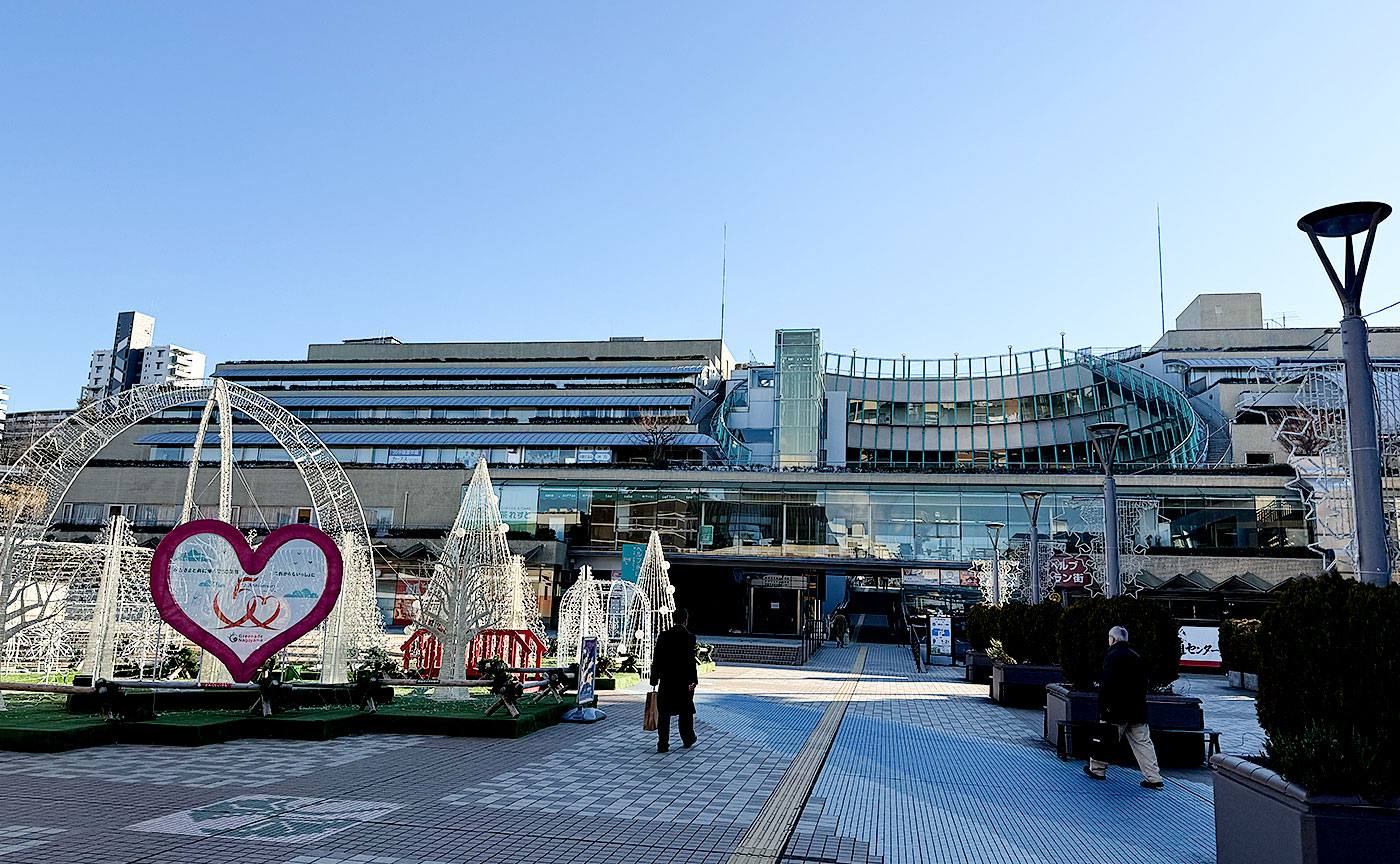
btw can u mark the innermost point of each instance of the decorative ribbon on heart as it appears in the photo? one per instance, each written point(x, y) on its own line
point(239, 604)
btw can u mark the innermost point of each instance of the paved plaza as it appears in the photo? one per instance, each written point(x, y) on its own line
point(881, 765)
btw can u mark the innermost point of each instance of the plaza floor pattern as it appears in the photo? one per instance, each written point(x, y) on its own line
point(916, 767)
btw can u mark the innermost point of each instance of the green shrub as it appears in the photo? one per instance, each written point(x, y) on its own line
point(1329, 686)
point(996, 652)
point(1029, 633)
point(1152, 632)
point(983, 625)
point(1239, 644)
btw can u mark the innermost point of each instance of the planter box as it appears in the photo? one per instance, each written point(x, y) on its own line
point(1164, 711)
point(1243, 680)
point(1260, 816)
point(977, 667)
point(1022, 686)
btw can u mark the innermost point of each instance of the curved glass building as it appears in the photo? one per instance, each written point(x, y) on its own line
point(1025, 410)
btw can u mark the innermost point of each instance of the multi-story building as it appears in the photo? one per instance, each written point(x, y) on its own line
point(4, 400)
point(133, 360)
point(773, 487)
point(23, 428)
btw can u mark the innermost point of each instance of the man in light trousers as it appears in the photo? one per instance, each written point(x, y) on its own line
point(1123, 711)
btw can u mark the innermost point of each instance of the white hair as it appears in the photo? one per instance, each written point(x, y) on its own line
point(1118, 634)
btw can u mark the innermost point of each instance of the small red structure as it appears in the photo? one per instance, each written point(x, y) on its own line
point(518, 648)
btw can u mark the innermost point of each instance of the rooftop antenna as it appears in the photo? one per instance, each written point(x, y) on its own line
point(723, 273)
point(1161, 283)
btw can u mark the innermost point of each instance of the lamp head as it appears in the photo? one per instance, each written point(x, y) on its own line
point(1344, 220)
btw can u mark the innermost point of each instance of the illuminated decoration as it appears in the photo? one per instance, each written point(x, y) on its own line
point(240, 604)
point(615, 611)
point(36, 575)
point(656, 588)
point(1314, 428)
point(1137, 519)
point(477, 583)
point(1011, 579)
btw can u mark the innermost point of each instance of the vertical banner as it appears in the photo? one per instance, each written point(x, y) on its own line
point(632, 556)
point(587, 670)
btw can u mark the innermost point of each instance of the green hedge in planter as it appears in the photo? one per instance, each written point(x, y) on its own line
point(1028, 632)
point(1152, 632)
point(983, 625)
point(1239, 644)
point(1329, 687)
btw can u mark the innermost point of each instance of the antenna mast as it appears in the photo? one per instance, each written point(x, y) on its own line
point(723, 272)
point(1161, 284)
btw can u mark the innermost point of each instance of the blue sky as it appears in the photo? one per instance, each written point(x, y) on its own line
point(920, 178)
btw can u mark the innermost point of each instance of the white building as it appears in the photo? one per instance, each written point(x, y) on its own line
point(133, 360)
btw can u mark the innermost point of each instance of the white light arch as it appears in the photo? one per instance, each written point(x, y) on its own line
point(32, 490)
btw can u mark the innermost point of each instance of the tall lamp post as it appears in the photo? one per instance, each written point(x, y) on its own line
point(1031, 501)
point(994, 534)
point(1348, 220)
point(1105, 437)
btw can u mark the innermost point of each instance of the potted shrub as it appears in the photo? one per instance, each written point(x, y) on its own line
point(983, 625)
point(1239, 651)
point(1153, 633)
point(1328, 785)
point(1026, 661)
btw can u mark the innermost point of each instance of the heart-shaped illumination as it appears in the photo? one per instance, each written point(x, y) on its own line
point(239, 604)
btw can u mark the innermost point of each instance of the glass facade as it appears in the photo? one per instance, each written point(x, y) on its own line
point(797, 361)
point(1024, 410)
point(927, 523)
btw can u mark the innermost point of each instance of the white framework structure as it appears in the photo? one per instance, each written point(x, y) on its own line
point(615, 611)
point(477, 583)
point(1317, 436)
point(1133, 515)
point(34, 488)
point(655, 586)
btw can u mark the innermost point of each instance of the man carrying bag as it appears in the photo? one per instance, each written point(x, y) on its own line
point(674, 676)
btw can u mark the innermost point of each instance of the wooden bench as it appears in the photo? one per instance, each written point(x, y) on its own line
point(1064, 737)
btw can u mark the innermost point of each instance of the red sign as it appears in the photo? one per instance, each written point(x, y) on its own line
point(1068, 571)
point(407, 590)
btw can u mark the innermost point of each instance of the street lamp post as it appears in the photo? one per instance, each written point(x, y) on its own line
point(994, 534)
point(1031, 501)
point(1105, 436)
point(1348, 220)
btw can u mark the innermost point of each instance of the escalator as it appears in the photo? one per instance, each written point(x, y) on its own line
point(874, 616)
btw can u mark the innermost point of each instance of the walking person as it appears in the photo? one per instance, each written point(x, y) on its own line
point(839, 628)
point(1123, 711)
point(674, 676)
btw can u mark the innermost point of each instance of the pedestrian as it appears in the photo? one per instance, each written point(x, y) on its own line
point(839, 628)
point(1123, 711)
point(673, 674)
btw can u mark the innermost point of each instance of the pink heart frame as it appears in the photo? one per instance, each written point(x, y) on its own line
point(252, 561)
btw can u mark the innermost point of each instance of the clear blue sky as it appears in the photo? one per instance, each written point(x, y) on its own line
point(917, 178)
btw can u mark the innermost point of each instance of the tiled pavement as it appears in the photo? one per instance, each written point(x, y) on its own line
point(923, 769)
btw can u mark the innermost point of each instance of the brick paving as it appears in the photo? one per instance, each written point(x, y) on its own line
point(923, 768)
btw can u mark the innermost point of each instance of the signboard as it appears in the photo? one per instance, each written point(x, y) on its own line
point(239, 604)
point(1068, 571)
point(595, 455)
point(920, 578)
point(407, 591)
point(632, 556)
point(779, 580)
point(707, 535)
point(587, 670)
point(970, 579)
point(405, 455)
point(1200, 647)
point(940, 635)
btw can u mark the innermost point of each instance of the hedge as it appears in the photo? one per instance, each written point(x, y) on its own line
point(1028, 633)
point(1329, 687)
point(1239, 644)
point(983, 625)
point(1152, 632)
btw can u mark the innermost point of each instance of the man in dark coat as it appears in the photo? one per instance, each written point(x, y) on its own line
point(673, 674)
point(1123, 711)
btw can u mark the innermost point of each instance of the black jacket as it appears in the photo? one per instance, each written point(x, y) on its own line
point(673, 671)
point(1123, 687)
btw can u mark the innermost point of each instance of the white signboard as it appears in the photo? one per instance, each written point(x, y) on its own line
point(1200, 647)
point(940, 630)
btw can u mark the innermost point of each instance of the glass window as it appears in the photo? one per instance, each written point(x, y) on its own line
point(884, 413)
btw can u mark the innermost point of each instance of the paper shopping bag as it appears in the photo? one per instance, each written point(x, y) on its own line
point(650, 719)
